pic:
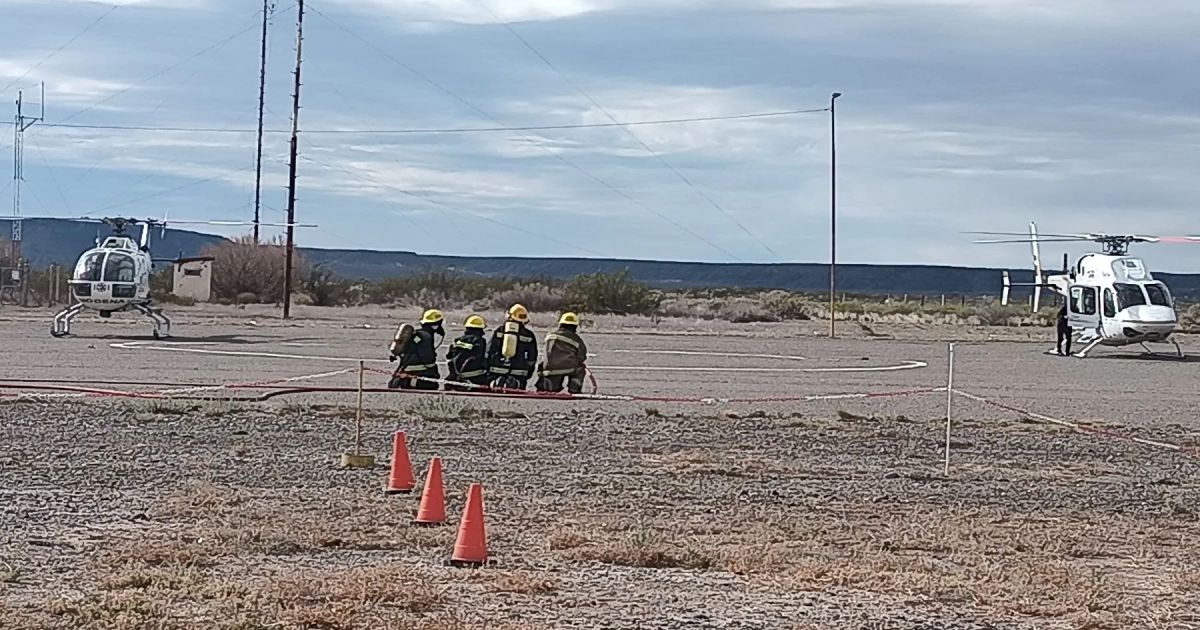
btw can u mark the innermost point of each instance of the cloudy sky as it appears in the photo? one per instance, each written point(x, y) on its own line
point(1083, 115)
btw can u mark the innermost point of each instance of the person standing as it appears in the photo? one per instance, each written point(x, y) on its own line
point(1063, 346)
point(566, 354)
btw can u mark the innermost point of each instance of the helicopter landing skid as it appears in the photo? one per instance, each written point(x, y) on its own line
point(61, 327)
point(1095, 342)
point(162, 324)
point(1178, 350)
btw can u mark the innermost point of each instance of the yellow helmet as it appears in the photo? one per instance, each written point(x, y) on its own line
point(432, 316)
point(518, 313)
point(568, 319)
point(475, 321)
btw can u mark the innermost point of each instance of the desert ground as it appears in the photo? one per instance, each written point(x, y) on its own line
point(670, 507)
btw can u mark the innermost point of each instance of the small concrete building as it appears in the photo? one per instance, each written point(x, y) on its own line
point(193, 278)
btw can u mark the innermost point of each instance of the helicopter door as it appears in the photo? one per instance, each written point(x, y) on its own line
point(1084, 312)
point(1110, 324)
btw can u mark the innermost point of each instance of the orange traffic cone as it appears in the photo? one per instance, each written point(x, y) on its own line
point(401, 480)
point(470, 550)
point(432, 510)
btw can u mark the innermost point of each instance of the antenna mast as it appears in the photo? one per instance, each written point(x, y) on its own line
point(291, 207)
point(268, 7)
point(21, 122)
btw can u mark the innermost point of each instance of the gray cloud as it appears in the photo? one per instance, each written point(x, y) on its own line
point(958, 115)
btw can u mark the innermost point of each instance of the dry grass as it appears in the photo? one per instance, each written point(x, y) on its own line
point(523, 583)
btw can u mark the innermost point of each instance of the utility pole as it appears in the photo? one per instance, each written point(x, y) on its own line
point(833, 214)
point(268, 7)
point(21, 122)
point(291, 207)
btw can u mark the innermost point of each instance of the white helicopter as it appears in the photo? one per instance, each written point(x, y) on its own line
point(1112, 298)
point(114, 276)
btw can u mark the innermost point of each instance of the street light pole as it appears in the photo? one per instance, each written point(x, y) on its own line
point(833, 214)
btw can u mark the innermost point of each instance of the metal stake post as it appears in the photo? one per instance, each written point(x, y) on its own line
point(358, 418)
point(949, 407)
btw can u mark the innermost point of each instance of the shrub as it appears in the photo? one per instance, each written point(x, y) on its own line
point(784, 305)
point(535, 297)
point(444, 287)
point(995, 315)
point(243, 268)
point(614, 293)
point(744, 312)
point(323, 287)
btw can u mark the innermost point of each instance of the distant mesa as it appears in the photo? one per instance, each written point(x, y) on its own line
point(60, 241)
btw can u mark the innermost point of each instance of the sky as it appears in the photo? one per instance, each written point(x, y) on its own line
point(956, 115)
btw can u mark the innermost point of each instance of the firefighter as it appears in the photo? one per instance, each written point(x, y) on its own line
point(566, 354)
point(1064, 332)
point(467, 356)
point(513, 351)
point(418, 355)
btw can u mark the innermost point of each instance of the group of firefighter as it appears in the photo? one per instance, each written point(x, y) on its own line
point(508, 361)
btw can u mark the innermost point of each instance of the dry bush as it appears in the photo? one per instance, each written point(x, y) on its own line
point(683, 308)
point(993, 314)
point(534, 296)
point(788, 306)
point(611, 293)
point(744, 312)
point(1189, 320)
point(244, 270)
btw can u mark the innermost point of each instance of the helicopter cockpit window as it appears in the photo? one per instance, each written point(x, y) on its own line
point(1110, 304)
point(119, 268)
point(89, 267)
point(1129, 295)
point(1158, 294)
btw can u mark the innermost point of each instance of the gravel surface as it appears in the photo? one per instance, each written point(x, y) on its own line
point(131, 514)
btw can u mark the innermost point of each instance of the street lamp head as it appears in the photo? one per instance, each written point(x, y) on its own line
point(836, 94)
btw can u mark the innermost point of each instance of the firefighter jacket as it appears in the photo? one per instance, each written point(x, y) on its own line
point(565, 352)
point(467, 357)
point(420, 356)
point(522, 363)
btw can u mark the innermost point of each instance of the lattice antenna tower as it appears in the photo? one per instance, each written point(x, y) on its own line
point(21, 122)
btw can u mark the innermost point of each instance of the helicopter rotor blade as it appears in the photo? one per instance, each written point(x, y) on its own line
point(243, 223)
point(1039, 240)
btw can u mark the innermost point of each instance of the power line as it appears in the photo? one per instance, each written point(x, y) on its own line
point(50, 170)
point(527, 139)
point(508, 27)
point(171, 190)
point(165, 70)
point(445, 206)
point(442, 130)
point(60, 48)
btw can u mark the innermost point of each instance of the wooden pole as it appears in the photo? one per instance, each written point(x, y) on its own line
point(291, 207)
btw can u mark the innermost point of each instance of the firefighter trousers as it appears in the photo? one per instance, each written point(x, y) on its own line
point(411, 379)
point(554, 382)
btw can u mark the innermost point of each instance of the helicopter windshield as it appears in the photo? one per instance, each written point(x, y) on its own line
point(1129, 295)
point(1159, 296)
point(89, 268)
point(119, 268)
